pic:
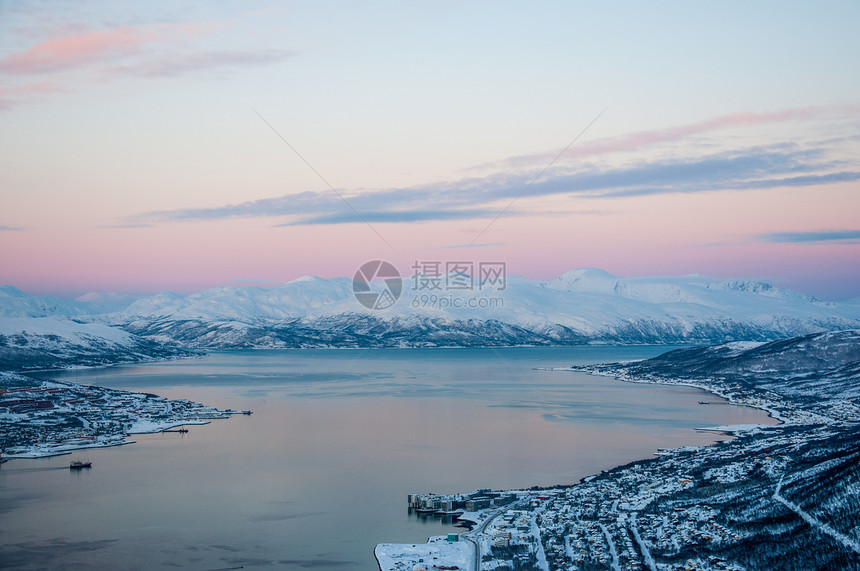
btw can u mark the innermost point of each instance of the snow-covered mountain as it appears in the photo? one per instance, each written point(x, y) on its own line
point(581, 306)
point(816, 368)
point(39, 332)
point(16, 303)
point(56, 341)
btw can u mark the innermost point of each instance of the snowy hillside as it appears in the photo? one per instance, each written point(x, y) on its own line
point(48, 342)
point(581, 306)
point(818, 372)
point(788, 493)
point(16, 303)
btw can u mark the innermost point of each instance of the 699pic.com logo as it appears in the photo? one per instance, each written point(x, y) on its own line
point(377, 285)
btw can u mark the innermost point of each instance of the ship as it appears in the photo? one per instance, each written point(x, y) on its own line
point(77, 465)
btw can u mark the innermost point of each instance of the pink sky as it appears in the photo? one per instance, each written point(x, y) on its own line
point(134, 157)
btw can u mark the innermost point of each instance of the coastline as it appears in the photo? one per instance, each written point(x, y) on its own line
point(673, 465)
point(414, 554)
point(46, 418)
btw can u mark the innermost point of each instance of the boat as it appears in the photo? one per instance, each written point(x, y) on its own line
point(181, 430)
point(704, 402)
point(78, 465)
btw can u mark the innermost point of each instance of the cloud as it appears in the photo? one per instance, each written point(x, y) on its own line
point(10, 228)
point(641, 139)
point(78, 50)
point(176, 65)
point(28, 93)
point(148, 51)
point(812, 237)
point(394, 216)
point(774, 166)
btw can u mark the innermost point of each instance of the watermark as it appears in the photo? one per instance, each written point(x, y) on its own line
point(437, 275)
point(436, 284)
point(433, 301)
point(377, 285)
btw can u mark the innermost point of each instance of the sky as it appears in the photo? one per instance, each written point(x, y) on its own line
point(172, 146)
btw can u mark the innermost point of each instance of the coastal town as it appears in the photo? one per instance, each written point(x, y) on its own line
point(41, 418)
point(787, 491)
point(672, 512)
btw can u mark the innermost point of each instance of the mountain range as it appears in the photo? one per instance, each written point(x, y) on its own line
point(583, 306)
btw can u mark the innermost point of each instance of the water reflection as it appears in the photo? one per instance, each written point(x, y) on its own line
point(320, 472)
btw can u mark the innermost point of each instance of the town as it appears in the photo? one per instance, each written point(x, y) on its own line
point(677, 511)
point(42, 418)
point(786, 492)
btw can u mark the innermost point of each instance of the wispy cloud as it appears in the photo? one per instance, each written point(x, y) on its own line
point(781, 165)
point(813, 237)
point(642, 139)
point(78, 54)
point(78, 50)
point(28, 92)
point(179, 64)
point(10, 228)
point(348, 217)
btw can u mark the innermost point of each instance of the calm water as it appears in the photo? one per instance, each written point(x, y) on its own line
point(319, 474)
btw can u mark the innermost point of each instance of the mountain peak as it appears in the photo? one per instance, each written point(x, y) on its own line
point(306, 278)
point(11, 291)
point(584, 280)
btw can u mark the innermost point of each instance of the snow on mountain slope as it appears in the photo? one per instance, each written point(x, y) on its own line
point(581, 306)
point(819, 367)
point(99, 302)
point(298, 298)
point(47, 342)
point(16, 303)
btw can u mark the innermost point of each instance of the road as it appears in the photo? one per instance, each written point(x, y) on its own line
point(479, 530)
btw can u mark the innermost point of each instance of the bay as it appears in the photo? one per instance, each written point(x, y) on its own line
point(319, 474)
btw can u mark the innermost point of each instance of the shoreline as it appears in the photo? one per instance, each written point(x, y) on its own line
point(44, 418)
point(731, 504)
point(771, 411)
point(733, 431)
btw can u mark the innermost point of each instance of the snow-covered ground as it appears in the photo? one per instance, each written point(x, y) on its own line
point(437, 553)
point(47, 418)
point(581, 306)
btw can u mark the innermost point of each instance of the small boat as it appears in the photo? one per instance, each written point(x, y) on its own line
point(78, 465)
point(182, 429)
point(704, 402)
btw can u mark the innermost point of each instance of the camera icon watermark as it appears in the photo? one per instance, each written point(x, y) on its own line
point(377, 285)
point(435, 284)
